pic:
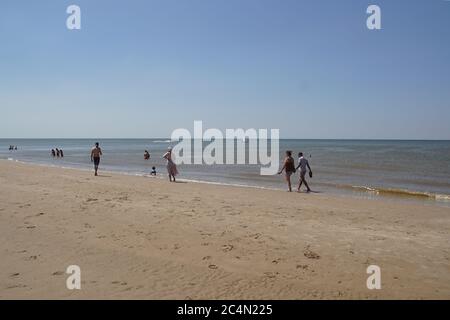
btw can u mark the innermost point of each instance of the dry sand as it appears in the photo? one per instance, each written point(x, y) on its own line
point(137, 237)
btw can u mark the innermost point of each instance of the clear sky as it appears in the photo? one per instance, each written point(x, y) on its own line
point(140, 69)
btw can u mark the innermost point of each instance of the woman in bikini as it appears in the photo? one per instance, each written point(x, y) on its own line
point(288, 168)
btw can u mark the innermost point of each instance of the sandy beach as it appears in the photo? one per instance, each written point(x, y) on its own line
point(146, 238)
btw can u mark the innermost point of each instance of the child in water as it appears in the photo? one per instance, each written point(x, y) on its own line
point(153, 173)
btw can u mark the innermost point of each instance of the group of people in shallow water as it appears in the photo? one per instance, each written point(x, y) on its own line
point(57, 153)
point(96, 153)
point(289, 169)
point(11, 147)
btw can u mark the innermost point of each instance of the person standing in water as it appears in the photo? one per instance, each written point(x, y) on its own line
point(302, 164)
point(289, 168)
point(171, 166)
point(96, 152)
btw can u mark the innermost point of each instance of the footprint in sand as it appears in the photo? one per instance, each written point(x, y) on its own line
point(91, 199)
point(302, 266)
point(14, 275)
point(227, 247)
point(57, 273)
point(207, 258)
point(271, 274)
point(310, 254)
point(14, 286)
point(213, 266)
point(276, 261)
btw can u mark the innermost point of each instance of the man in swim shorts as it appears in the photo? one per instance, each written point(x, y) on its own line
point(96, 152)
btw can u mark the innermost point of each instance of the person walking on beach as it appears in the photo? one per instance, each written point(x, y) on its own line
point(96, 152)
point(289, 168)
point(171, 166)
point(302, 164)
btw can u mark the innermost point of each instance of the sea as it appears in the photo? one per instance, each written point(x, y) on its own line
point(392, 169)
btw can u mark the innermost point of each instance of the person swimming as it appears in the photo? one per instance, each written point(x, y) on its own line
point(146, 155)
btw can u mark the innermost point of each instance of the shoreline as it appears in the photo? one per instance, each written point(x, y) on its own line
point(354, 192)
point(148, 238)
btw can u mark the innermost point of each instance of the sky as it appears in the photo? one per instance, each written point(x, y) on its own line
point(141, 69)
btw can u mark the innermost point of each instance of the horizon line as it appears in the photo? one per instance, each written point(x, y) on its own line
point(162, 138)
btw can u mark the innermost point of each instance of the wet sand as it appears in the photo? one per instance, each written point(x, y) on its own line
point(146, 238)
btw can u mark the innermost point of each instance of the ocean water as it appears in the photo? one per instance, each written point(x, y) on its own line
point(403, 170)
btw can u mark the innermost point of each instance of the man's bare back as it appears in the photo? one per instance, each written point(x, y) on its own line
point(96, 152)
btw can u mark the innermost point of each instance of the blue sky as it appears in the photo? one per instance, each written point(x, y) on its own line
point(140, 69)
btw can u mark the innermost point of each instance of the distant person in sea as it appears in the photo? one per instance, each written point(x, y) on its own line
point(146, 155)
point(61, 153)
point(288, 168)
point(96, 152)
point(57, 152)
point(171, 166)
point(302, 164)
point(53, 153)
point(153, 173)
point(15, 148)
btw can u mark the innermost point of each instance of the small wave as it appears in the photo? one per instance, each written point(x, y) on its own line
point(442, 197)
point(403, 193)
point(162, 141)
